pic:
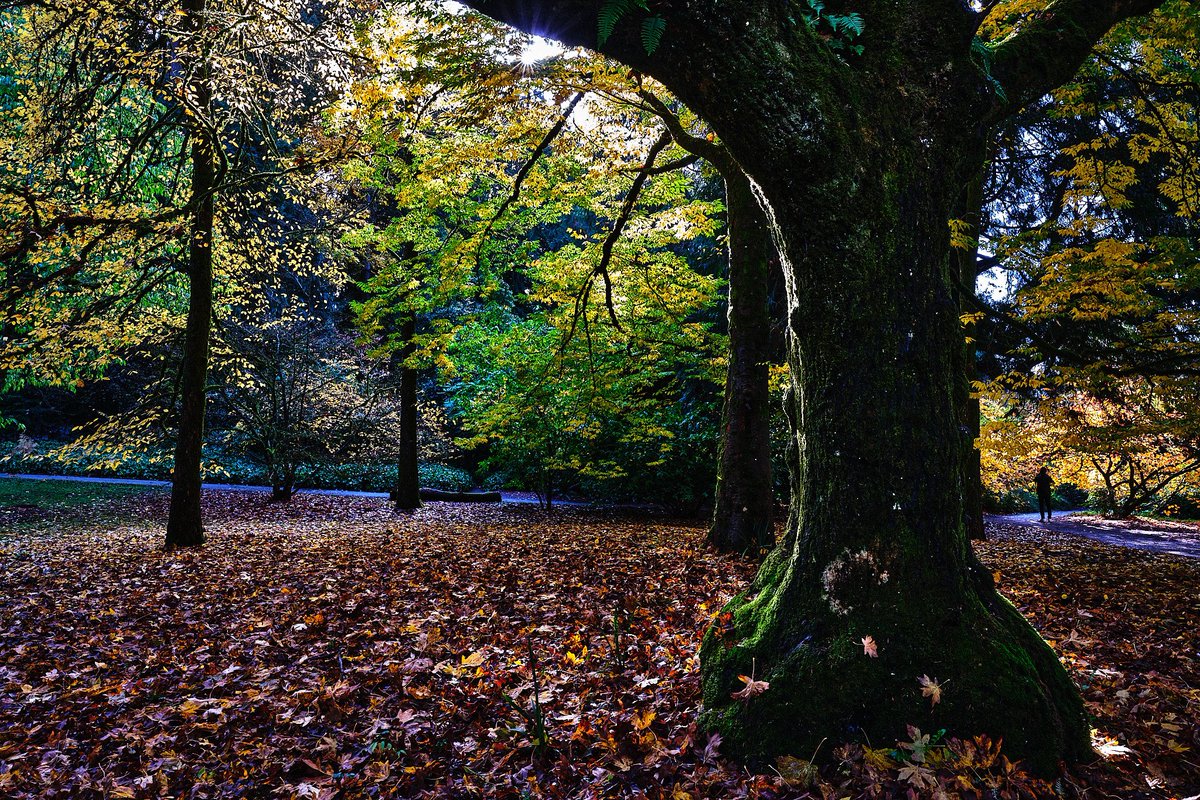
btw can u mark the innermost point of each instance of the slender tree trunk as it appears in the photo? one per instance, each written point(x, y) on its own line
point(744, 507)
point(743, 510)
point(407, 495)
point(964, 258)
point(185, 526)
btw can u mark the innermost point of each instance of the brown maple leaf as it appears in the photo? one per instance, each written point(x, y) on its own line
point(710, 748)
point(753, 688)
point(917, 776)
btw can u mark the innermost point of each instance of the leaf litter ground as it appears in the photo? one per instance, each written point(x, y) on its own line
point(330, 648)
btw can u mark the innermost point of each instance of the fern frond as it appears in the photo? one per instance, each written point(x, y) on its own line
point(652, 33)
point(851, 24)
point(982, 55)
point(609, 15)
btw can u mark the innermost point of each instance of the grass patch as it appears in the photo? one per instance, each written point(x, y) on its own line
point(28, 504)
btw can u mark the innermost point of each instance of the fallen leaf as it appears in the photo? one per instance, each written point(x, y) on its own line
point(753, 688)
point(931, 689)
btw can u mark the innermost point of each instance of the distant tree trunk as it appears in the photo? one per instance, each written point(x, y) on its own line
point(407, 495)
point(745, 500)
point(545, 487)
point(964, 257)
point(185, 525)
point(283, 484)
point(743, 510)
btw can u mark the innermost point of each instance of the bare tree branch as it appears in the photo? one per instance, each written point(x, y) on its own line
point(527, 167)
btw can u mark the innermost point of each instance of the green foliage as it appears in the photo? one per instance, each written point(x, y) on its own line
point(221, 466)
point(1010, 501)
point(652, 33)
point(57, 458)
point(982, 57)
point(588, 414)
point(612, 11)
point(1066, 496)
point(838, 30)
point(376, 477)
point(499, 241)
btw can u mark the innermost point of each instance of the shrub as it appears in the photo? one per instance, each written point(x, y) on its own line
point(54, 458)
point(1013, 501)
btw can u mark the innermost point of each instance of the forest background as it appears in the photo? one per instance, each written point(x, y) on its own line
point(436, 252)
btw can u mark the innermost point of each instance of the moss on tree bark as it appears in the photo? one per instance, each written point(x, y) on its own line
point(876, 544)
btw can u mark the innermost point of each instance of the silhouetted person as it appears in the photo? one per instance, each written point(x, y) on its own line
point(1043, 481)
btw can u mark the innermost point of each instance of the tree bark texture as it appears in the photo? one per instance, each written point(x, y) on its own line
point(185, 524)
point(876, 545)
point(407, 495)
point(859, 162)
point(743, 513)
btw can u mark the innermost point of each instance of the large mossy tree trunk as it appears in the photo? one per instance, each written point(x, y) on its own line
point(185, 523)
point(859, 161)
point(744, 506)
point(876, 545)
point(964, 263)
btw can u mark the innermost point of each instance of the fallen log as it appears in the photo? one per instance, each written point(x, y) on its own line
point(460, 497)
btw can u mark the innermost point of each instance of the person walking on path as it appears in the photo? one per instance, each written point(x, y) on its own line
point(1043, 481)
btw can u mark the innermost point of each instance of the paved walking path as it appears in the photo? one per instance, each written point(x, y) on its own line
point(1180, 542)
point(1184, 542)
point(524, 498)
